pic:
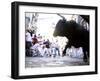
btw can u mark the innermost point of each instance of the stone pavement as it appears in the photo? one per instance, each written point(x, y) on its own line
point(31, 62)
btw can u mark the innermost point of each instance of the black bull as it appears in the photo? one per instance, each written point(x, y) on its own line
point(76, 34)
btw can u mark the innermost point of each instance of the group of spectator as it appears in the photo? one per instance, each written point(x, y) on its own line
point(37, 46)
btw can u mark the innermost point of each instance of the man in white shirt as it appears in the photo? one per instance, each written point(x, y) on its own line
point(28, 43)
point(28, 37)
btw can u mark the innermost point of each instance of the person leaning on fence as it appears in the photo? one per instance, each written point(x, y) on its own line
point(28, 42)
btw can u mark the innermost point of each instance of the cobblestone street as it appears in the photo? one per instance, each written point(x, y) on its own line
point(31, 62)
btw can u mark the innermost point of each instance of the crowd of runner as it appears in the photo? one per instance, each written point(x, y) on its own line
point(37, 46)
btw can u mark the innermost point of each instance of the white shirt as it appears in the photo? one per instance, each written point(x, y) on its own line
point(28, 37)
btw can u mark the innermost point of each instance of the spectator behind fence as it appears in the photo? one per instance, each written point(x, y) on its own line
point(28, 42)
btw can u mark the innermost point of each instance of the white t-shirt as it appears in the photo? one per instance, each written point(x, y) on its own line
point(28, 37)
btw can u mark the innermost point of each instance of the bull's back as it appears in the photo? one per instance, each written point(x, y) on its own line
point(80, 38)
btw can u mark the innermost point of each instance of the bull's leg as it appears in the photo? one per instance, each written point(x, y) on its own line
point(64, 51)
point(86, 55)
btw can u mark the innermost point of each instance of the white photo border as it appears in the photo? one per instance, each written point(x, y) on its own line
point(56, 70)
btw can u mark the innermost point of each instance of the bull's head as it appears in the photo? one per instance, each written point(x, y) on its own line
point(65, 28)
point(59, 29)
